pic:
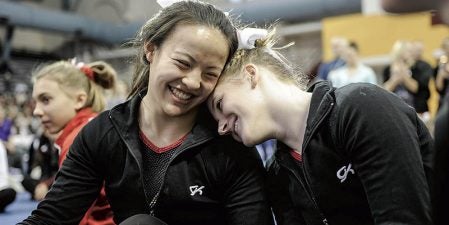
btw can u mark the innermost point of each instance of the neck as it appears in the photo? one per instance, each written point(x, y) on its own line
point(352, 64)
point(291, 116)
point(160, 128)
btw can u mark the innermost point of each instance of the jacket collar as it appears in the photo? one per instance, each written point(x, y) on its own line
point(323, 99)
point(81, 117)
point(124, 118)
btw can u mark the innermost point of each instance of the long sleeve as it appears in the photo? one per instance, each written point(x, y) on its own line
point(77, 185)
point(389, 148)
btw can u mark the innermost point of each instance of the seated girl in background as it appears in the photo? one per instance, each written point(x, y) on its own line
point(67, 97)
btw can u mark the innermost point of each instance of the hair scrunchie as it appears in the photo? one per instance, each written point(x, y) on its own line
point(248, 36)
point(87, 71)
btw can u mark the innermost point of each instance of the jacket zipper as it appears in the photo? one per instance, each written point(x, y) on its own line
point(310, 194)
point(306, 176)
point(138, 165)
point(156, 197)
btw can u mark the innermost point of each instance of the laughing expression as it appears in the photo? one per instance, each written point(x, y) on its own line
point(185, 68)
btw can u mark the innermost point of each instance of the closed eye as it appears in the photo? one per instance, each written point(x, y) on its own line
point(182, 64)
point(218, 104)
point(213, 74)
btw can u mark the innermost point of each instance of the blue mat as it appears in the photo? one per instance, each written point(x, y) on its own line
point(20, 209)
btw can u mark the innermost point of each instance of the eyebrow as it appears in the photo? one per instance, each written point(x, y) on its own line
point(195, 62)
point(40, 95)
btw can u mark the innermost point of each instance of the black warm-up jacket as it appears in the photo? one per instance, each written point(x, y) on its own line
point(366, 159)
point(212, 180)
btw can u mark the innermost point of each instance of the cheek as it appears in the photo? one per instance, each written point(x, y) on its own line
point(209, 86)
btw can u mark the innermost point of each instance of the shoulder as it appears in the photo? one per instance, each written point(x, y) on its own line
point(364, 95)
point(366, 68)
point(94, 132)
point(226, 151)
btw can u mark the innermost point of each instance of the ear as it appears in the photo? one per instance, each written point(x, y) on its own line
point(80, 100)
point(252, 72)
point(149, 49)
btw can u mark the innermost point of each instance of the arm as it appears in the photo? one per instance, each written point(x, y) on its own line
point(442, 77)
point(382, 136)
point(390, 81)
point(245, 193)
point(77, 185)
point(419, 81)
point(411, 84)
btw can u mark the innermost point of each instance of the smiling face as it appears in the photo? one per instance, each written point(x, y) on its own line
point(54, 106)
point(185, 68)
point(239, 105)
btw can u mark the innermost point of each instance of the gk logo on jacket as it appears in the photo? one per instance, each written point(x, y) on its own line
point(343, 172)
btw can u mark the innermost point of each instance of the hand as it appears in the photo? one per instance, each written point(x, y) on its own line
point(40, 191)
point(444, 70)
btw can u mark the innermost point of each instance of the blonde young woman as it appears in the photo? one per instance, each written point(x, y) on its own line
point(67, 97)
point(408, 80)
point(352, 155)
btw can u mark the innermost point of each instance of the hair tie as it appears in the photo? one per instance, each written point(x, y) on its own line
point(83, 68)
point(248, 36)
point(166, 3)
point(88, 72)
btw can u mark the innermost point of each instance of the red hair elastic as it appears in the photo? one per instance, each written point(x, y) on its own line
point(88, 72)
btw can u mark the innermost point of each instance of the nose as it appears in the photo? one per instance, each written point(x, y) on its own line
point(193, 79)
point(223, 127)
point(37, 111)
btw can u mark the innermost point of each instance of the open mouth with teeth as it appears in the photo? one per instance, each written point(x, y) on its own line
point(181, 95)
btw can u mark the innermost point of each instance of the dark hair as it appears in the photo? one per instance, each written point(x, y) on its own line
point(354, 45)
point(157, 29)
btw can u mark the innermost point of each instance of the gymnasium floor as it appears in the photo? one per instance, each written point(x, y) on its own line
point(20, 209)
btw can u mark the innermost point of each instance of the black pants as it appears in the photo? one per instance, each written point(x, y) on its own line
point(7, 196)
point(29, 184)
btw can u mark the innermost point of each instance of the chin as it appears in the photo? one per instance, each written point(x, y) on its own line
point(249, 143)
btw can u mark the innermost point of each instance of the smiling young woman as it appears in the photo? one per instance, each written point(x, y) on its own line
point(158, 153)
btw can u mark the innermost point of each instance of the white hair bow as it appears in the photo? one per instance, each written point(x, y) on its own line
point(248, 36)
point(166, 3)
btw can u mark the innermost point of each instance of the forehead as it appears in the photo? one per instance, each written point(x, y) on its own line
point(198, 40)
point(45, 86)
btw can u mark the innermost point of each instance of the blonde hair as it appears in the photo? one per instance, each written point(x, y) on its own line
point(70, 77)
point(265, 54)
point(398, 50)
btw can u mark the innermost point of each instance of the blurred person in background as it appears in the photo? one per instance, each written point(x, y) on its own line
point(354, 71)
point(42, 165)
point(7, 194)
point(408, 80)
point(338, 44)
point(6, 125)
point(441, 73)
point(441, 132)
point(68, 96)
